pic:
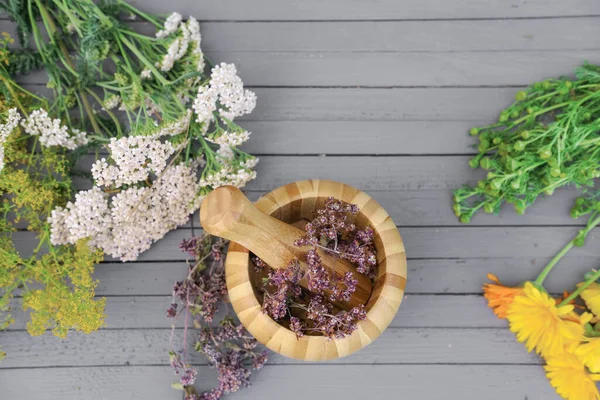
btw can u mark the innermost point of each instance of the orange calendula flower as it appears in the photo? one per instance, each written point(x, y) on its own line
point(591, 296)
point(541, 325)
point(572, 381)
point(499, 297)
point(589, 353)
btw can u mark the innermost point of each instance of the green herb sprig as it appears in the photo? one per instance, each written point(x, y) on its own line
point(548, 138)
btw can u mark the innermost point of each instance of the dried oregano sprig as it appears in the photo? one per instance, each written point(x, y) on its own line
point(228, 347)
point(312, 312)
point(548, 138)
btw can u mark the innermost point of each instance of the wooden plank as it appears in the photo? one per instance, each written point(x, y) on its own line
point(394, 36)
point(417, 311)
point(404, 69)
point(393, 69)
point(359, 137)
point(265, 10)
point(465, 242)
point(467, 382)
point(151, 347)
point(426, 276)
point(369, 104)
point(405, 36)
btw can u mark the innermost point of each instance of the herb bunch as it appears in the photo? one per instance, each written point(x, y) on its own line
point(313, 312)
point(548, 138)
point(228, 347)
point(35, 176)
point(151, 103)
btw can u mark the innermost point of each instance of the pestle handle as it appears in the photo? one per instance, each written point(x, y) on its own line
point(226, 212)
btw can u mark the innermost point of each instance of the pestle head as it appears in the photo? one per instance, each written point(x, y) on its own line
point(222, 209)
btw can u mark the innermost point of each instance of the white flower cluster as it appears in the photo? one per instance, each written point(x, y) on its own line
point(235, 175)
point(135, 158)
point(176, 127)
point(171, 24)
point(190, 33)
point(227, 140)
point(134, 219)
point(6, 129)
point(232, 96)
point(51, 132)
point(226, 88)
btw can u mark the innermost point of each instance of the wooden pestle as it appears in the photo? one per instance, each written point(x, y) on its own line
point(227, 213)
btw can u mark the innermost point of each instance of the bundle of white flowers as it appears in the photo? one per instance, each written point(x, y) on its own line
point(164, 130)
point(145, 188)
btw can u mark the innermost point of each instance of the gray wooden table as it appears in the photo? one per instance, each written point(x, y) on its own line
point(378, 94)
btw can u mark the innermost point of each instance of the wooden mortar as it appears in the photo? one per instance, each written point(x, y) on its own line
point(292, 203)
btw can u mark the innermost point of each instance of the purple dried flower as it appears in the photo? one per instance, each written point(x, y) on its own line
point(296, 327)
point(172, 310)
point(189, 377)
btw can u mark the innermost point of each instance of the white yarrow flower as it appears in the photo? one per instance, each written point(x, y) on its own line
point(51, 132)
point(171, 25)
point(146, 74)
point(6, 129)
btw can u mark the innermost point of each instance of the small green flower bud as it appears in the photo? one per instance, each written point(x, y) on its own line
point(549, 192)
point(474, 131)
point(514, 114)
point(456, 209)
point(491, 175)
point(488, 208)
point(526, 134)
point(545, 153)
point(519, 145)
point(546, 85)
point(530, 110)
point(481, 184)
point(474, 162)
point(484, 146)
point(520, 96)
point(503, 117)
point(580, 201)
point(568, 84)
point(496, 183)
point(515, 185)
point(555, 172)
point(575, 213)
point(497, 140)
point(553, 162)
point(586, 116)
point(465, 219)
point(485, 163)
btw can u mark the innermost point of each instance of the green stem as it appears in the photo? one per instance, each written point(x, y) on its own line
point(145, 61)
point(542, 276)
point(580, 289)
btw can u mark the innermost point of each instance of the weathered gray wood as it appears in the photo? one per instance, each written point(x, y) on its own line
point(426, 382)
point(404, 69)
point(417, 311)
point(382, 69)
point(393, 36)
point(151, 347)
point(439, 276)
point(463, 242)
point(262, 10)
point(360, 137)
point(372, 104)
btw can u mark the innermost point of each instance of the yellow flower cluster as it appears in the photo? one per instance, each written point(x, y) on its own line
point(556, 332)
point(62, 293)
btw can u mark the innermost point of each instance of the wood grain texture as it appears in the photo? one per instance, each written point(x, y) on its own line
point(329, 10)
point(150, 347)
point(431, 243)
point(297, 201)
point(418, 311)
point(426, 382)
